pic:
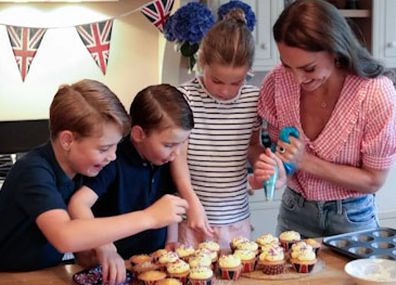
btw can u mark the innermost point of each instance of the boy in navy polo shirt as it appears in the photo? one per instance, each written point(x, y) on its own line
point(86, 123)
point(161, 123)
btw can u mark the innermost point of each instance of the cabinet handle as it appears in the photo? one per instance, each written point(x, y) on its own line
point(392, 44)
point(263, 46)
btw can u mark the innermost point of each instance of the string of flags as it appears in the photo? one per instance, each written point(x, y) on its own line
point(96, 37)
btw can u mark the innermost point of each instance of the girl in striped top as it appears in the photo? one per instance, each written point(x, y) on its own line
point(225, 135)
point(331, 88)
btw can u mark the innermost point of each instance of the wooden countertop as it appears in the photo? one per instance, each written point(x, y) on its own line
point(331, 274)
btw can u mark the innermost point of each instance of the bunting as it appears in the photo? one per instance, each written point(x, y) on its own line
point(96, 38)
point(25, 43)
point(158, 12)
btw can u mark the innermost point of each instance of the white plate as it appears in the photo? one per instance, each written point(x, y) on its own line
point(368, 271)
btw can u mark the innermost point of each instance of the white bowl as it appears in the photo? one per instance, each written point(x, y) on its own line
point(369, 271)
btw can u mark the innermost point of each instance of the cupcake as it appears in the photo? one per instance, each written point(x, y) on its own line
point(158, 253)
point(272, 260)
point(144, 266)
point(265, 239)
point(201, 260)
point(211, 245)
point(230, 267)
point(179, 270)
point(237, 240)
point(201, 276)
point(139, 258)
point(315, 245)
point(185, 251)
point(298, 247)
point(168, 281)
point(248, 259)
point(288, 238)
point(167, 258)
point(304, 261)
point(248, 245)
point(151, 277)
point(204, 251)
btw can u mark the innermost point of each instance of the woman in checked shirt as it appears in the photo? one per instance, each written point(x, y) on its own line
point(339, 97)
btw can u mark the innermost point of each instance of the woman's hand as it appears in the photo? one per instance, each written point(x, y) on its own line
point(292, 152)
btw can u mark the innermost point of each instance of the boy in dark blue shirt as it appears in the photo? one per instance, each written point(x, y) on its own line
point(161, 123)
point(87, 121)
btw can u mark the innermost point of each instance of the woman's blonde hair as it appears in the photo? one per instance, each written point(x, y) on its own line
point(83, 108)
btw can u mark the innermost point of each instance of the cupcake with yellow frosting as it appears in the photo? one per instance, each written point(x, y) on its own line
point(288, 238)
point(139, 258)
point(201, 260)
point(266, 239)
point(211, 245)
point(179, 270)
point(201, 276)
point(272, 260)
point(144, 266)
point(151, 277)
point(185, 251)
point(158, 253)
point(248, 245)
point(303, 260)
point(315, 244)
point(167, 258)
point(237, 240)
point(204, 251)
point(230, 267)
point(248, 259)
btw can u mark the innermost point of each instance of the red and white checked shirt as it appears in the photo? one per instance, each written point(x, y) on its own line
point(361, 130)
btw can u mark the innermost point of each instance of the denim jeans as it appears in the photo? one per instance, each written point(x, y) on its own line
point(325, 218)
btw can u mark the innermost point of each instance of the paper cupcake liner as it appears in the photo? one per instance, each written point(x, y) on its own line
point(228, 274)
point(182, 278)
point(272, 269)
point(248, 266)
point(303, 268)
point(210, 281)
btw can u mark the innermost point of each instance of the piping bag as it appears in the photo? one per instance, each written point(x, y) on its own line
point(290, 168)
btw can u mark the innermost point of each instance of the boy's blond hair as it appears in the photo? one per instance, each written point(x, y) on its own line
point(84, 107)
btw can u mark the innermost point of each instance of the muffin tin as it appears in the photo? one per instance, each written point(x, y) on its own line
point(374, 243)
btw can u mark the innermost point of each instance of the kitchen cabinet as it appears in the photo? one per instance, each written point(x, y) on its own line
point(267, 11)
point(384, 31)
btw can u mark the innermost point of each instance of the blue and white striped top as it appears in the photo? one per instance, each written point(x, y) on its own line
point(218, 148)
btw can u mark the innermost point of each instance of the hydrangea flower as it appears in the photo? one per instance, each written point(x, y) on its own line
point(187, 26)
point(249, 14)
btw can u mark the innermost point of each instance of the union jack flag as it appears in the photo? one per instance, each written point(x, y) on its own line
point(25, 43)
point(158, 12)
point(96, 38)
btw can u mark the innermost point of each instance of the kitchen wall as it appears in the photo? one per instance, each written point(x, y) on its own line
point(135, 55)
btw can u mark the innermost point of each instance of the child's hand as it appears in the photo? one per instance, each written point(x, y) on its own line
point(113, 265)
point(197, 219)
point(167, 210)
point(265, 167)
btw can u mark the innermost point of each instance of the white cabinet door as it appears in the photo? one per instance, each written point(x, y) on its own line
point(267, 11)
point(384, 31)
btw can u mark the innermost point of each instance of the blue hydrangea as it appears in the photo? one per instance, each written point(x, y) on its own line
point(249, 14)
point(189, 23)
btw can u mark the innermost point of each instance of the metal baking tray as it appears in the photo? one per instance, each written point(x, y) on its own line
point(373, 243)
